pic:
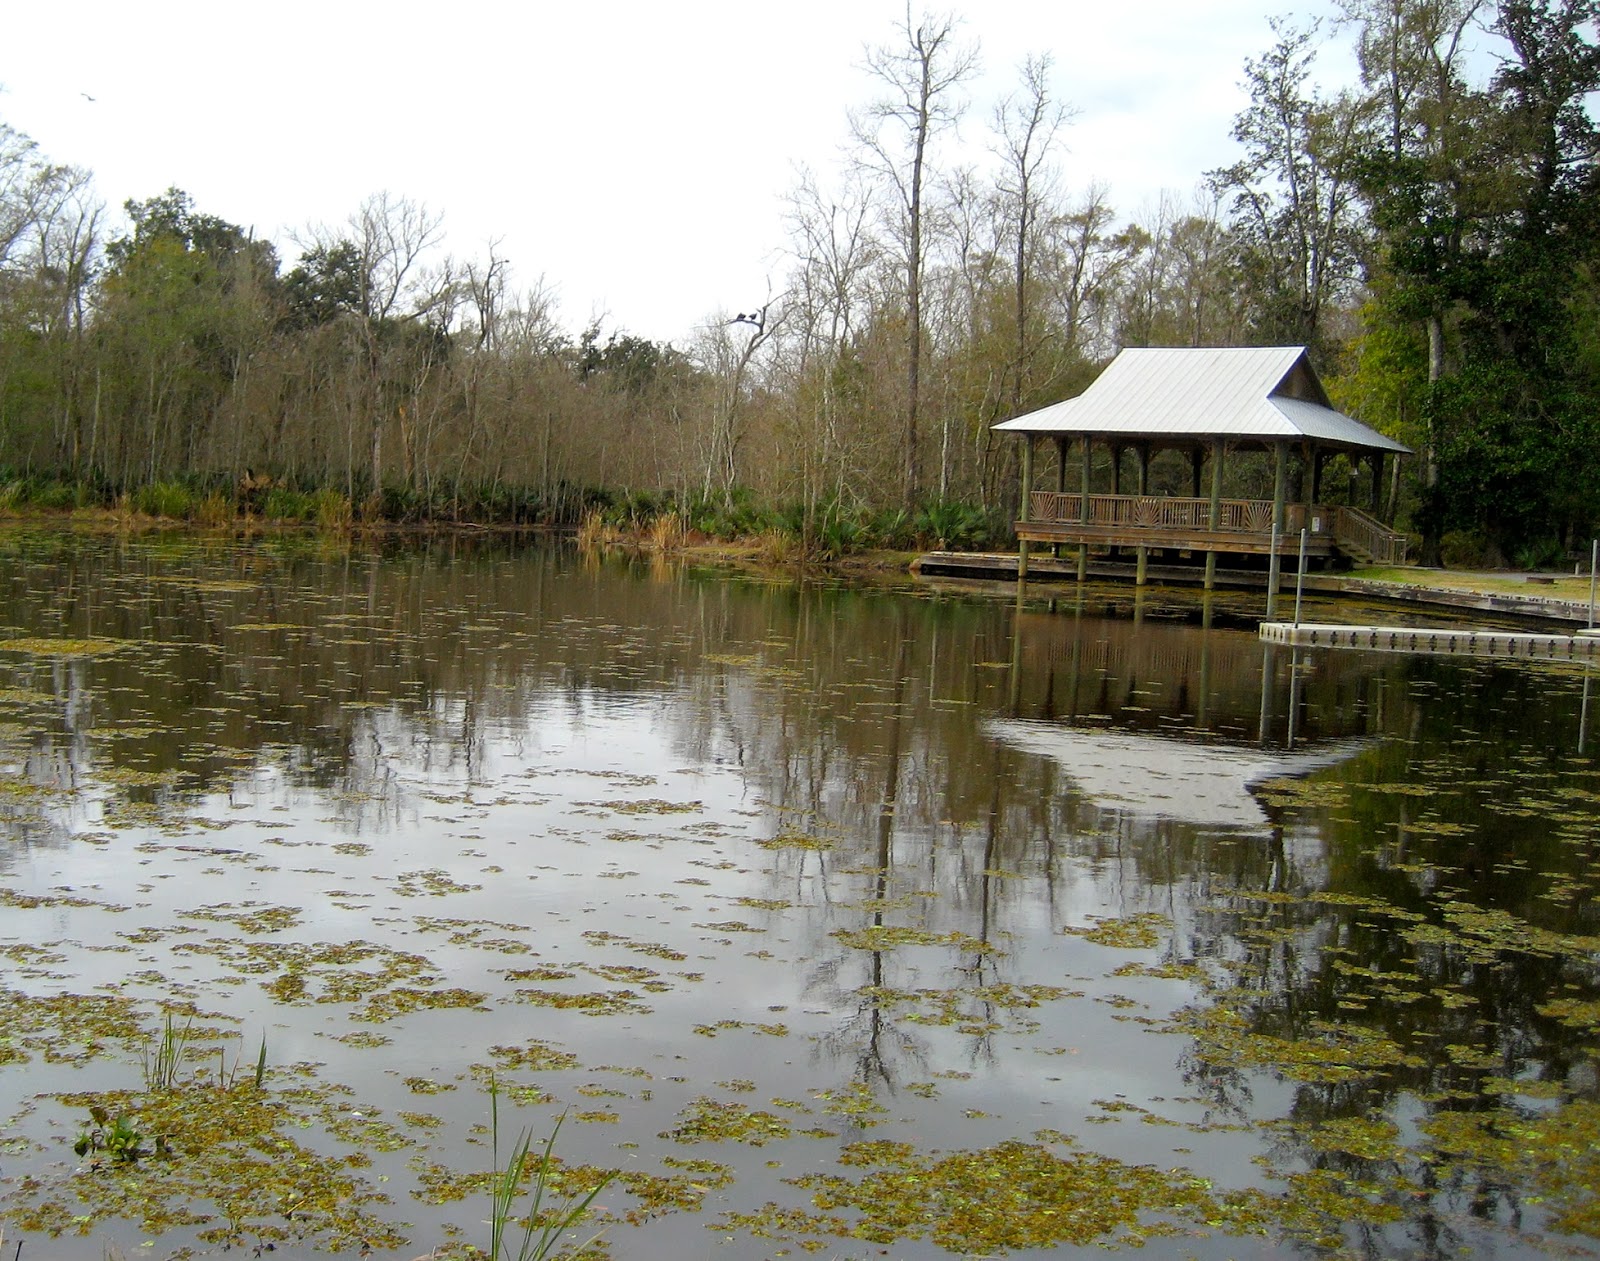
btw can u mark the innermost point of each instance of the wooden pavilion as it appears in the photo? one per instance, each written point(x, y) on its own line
point(1205, 404)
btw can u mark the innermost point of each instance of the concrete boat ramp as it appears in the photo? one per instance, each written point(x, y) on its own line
point(1584, 646)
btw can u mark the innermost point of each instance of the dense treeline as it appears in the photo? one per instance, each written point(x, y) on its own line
point(1428, 231)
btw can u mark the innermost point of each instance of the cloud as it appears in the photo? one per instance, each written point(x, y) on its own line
point(634, 153)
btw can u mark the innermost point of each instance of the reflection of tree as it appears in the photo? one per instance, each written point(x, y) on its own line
point(1413, 971)
point(866, 1036)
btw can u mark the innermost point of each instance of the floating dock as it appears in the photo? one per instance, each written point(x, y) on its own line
point(1411, 639)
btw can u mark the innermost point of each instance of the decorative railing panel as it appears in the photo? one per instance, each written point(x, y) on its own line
point(1347, 527)
point(1169, 512)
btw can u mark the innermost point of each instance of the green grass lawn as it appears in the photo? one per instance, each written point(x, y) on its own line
point(1560, 586)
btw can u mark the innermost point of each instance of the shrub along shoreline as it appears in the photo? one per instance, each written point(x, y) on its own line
point(661, 520)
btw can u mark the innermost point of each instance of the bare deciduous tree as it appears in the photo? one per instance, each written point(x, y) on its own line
point(1027, 128)
point(920, 75)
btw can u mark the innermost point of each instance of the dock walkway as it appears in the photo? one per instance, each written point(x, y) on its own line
point(1410, 639)
point(1535, 603)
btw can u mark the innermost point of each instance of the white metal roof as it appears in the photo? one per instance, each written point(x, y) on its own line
point(1225, 392)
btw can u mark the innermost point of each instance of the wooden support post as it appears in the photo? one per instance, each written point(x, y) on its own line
point(1214, 519)
point(1061, 477)
point(1116, 470)
point(1311, 457)
point(1026, 513)
point(1141, 453)
point(1083, 506)
point(1086, 473)
point(1196, 459)
point(1280, 480)
point(1377, 485)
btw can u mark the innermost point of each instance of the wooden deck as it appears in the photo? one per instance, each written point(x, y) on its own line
point(1163, 522)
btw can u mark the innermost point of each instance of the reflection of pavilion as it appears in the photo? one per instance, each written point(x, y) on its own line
point(1159, 675)
point(1202, 785)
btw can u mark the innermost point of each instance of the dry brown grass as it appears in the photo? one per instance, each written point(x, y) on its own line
point(667, 533)
point(214, 511)
point(594, 533)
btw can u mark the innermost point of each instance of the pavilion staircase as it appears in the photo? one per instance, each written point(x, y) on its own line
point(1366, 540)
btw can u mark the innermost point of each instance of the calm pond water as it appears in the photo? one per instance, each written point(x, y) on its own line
point(865, 923)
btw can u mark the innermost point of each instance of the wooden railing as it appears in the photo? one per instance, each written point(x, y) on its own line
point(1340, 525)
point(1358, 532)
point(1157, 512)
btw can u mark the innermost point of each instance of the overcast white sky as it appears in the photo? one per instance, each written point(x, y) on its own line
point(634, 153)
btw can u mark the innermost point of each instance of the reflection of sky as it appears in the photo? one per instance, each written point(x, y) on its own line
point(539, 779)
point(541, 806)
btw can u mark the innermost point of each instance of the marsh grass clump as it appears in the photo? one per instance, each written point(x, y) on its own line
point(214, 511)
point(172, 500)
point(540, 1228)
point(163, 1059)
point(667, 533)
point(333, 511)
point(595, 532)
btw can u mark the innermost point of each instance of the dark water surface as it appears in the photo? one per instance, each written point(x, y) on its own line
point(862, 923)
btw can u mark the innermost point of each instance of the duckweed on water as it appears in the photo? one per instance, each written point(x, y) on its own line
point(594, 1003)
point(877, 937)
point(709, 1121)
point(647, 805)
point(1555, 1154)
point(797, 840)
point(655, 951)
point(251, 917)
point(1135, 932)
point(1327, 1053)
point(36, 647)
point(65, 1028)
point(535, 1057)
point(1015, 1195)
point(335, 973)
point(722, 1026)
point(430, 883)
point(854, 1102)
point(230, 1170)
